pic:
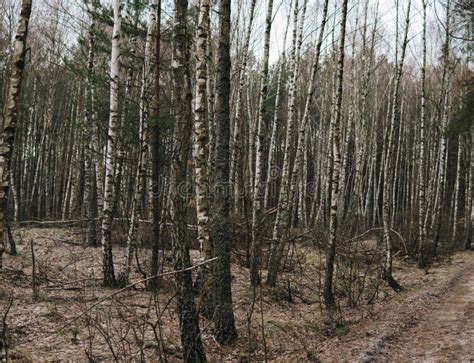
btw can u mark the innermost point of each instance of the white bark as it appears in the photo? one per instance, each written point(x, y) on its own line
point(107, 209)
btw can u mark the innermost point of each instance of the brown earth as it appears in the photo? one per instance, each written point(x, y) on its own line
point(430, 320)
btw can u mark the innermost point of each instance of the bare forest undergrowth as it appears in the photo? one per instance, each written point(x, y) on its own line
point(135, 325)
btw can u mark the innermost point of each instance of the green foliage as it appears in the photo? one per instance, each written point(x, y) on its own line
point(463, 119)
point(341, 329)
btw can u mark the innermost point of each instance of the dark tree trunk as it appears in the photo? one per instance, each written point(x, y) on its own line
point(225, 331)
point(193, 350)
point(155, 142)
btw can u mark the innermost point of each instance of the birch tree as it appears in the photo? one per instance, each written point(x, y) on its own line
point(143, 153)
point(258, 186)
point(281, 221)
point(421, 180)
point(235, 181)
point(108, 205)
point(10, 117)
point(89, 120)
point(187, 313)
point(470, 195)
point(200, 160)
point(336, 164)
point(388, 164)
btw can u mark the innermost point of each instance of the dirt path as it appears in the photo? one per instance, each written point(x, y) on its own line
point(432, 320)
point(446, 333)
point(441, 331)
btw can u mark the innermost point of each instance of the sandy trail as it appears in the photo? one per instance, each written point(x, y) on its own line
point(432, 320)
point(446, 333)
point(442, 333)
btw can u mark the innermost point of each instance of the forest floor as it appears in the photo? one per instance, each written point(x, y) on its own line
point(71, 317)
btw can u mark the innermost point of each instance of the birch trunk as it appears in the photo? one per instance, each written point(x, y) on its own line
point(143, 152)
point(91, 182)
point(469, 210)
point(11, 115)
point(235, 180)
point(206, 306)
point(107, 209)
point(282, 218)
point(444, 129)
point(299, 165)
point(422, 259)
point(442, 169)
point(271, 172)
point(258, 186)
point(455, 204)
point(193, 350)
point(387, 167)
point(334, 182)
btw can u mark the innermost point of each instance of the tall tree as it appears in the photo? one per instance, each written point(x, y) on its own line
point(108, 205)
point(443, 147)
point(422, 260)
point(200, 159)
point(89, 120)
point(193, 350)
point(470, 194)
point(140, 179)
point(235, 179)
point(389, 147)
point(155, 143)
point(224, 322)
point(258, 186)
point(328, 293)
point(282, 217)
point(10, 117)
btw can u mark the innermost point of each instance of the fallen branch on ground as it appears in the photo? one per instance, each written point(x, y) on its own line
point(378, 229)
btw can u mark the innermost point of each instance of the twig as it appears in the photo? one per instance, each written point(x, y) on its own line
point(128, 287)
point(62, 284)
point(377, 229)
point(33, 264)
point(52, 222)
point(7, 310)
point(263, 327)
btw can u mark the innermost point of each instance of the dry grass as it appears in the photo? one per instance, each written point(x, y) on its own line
point(127, 326)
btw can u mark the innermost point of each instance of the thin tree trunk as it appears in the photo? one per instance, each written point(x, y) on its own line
point(422, 259)
point(387, 167)
point(143, 152)
point(334, 182)
point(155, 143)
point(444, 130)
point(193, 350)
point(271, 172)
point(91, 182)
point(107, 210)
point(469, 214)
point(11, 114)
point(282, 217)
point(224, 322)
point(258, 186)
point(456, 194)
point(235, 180)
